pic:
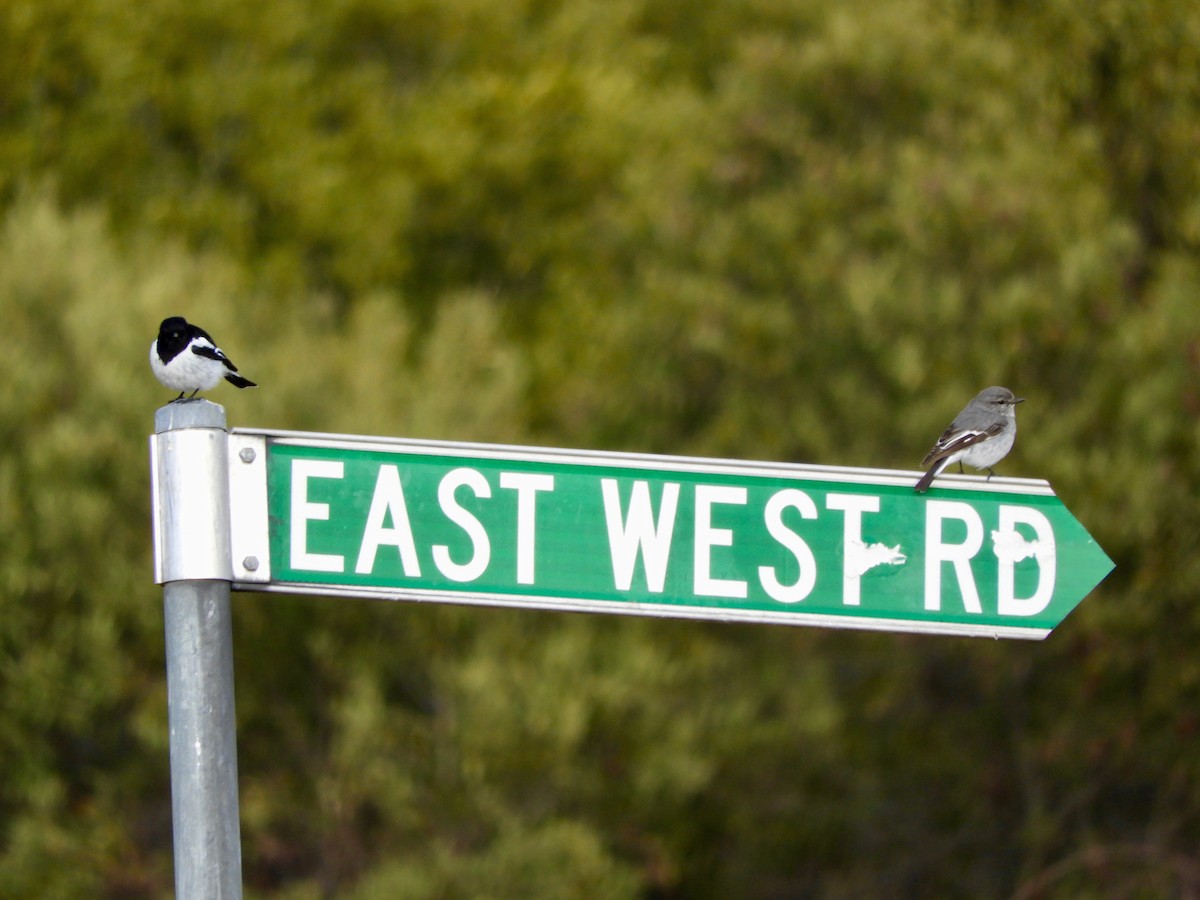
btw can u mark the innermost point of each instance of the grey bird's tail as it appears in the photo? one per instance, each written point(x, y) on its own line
point(927, 479)
point(238, 381)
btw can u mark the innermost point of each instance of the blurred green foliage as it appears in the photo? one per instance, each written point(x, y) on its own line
point(778, 230)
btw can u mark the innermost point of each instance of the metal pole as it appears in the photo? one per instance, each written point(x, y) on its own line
point(190, 478)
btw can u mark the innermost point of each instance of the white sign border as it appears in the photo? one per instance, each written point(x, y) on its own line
point(622, 459)
point(663, 611)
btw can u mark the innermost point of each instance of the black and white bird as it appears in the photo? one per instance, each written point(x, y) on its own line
point(184, 357)
point(980, 436)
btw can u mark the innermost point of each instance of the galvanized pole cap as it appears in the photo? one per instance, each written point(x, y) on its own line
point(198, 413)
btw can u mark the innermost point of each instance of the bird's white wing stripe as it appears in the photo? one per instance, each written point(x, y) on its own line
point(962, 437)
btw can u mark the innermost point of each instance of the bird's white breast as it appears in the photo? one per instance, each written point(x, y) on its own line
point(187, 371)
point(987, 453)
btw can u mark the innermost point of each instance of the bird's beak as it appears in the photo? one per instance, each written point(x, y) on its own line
point(1018, 400)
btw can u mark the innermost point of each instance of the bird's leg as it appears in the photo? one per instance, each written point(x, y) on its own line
point(960, 468)
point(192, 395)
point(177, 399)
point(990, 474)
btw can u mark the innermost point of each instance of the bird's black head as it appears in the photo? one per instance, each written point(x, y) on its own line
point(173, 325)
point(173, 335)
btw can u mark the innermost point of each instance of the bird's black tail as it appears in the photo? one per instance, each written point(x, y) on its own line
point(238, 381)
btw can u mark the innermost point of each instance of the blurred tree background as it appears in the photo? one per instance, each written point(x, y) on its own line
point(800, 230)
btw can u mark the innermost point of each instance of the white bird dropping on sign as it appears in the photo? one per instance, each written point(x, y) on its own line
point(980, 436)
point(185, 358)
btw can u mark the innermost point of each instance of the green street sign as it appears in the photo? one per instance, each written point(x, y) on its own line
point(651, 535)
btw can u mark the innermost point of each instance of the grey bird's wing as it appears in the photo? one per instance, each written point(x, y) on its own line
point(955, 439)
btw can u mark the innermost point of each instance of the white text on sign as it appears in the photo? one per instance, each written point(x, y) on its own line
point(645, 533)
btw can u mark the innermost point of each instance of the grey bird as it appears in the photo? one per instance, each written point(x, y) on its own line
point(980, 436)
